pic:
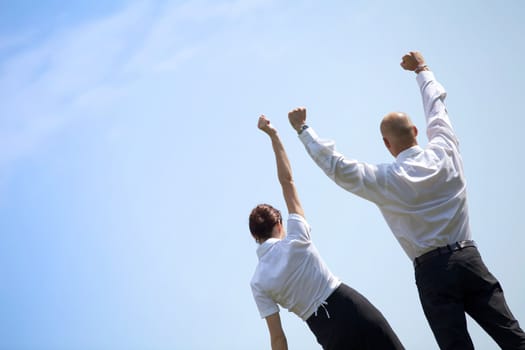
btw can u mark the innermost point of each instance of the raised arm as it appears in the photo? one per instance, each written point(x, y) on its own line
point(284, 169)
point(362, 179)
point(433, 94)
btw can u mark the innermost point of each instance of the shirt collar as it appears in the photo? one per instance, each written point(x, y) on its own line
point(408, 153)
point(265, 246)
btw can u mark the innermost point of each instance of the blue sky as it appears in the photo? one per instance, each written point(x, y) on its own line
point(130, 159)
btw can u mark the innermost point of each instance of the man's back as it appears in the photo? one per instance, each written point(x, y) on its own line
point(424, 199)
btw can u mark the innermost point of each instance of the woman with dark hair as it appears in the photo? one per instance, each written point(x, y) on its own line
point(291, 273)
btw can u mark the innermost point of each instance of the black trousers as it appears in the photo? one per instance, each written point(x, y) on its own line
point(454, 283)
point(350, 321)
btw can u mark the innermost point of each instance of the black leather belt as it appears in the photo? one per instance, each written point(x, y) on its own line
point(449, 248)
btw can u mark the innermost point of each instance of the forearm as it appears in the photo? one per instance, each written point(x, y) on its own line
point(284, 173)
point(279, 342)
point(284, 169)
point(324, 154)
point(433, 94)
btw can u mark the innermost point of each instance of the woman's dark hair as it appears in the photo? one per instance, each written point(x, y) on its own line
point(262, 220)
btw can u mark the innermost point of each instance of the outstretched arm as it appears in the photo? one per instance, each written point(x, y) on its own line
point(284, 169)
point(362, 179)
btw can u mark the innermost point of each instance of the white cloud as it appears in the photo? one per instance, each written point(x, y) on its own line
point(47, 85)
point(41, 85)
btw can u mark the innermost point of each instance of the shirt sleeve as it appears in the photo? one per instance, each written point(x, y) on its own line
point(265, 304)
point(362, 179)
point(439, 127)
point(298, 228)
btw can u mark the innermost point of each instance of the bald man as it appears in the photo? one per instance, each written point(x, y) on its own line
point(422, 196)
point(398, 132)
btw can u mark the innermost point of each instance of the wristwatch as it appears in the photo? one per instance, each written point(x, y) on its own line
point(302, 128)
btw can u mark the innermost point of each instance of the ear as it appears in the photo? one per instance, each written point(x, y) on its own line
point(387, 143)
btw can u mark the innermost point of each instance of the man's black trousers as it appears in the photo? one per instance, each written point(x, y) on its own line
point(457, 282)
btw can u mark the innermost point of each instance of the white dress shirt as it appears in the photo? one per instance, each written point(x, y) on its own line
point(422, 194)
point(291, 273)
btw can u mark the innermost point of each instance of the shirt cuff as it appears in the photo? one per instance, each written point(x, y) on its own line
point(308, 135)
point(425, 76)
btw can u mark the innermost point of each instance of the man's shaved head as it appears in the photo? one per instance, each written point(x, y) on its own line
point(396, 124)
point(399, 133)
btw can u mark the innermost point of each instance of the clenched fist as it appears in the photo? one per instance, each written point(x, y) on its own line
point(297, 117)
point(413, 61)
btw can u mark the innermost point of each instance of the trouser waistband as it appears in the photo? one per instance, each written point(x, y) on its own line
point(449, 248)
